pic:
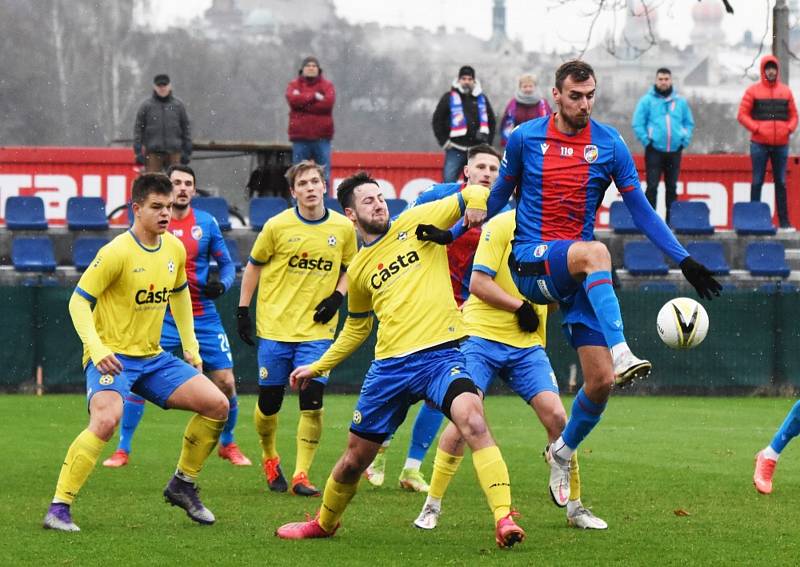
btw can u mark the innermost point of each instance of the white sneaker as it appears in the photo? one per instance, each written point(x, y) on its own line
point(559, 477)
point(583, 519)
point(627, 368)
point(428, 518)
point(787, 229)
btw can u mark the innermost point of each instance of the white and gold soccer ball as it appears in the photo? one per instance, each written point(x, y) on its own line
point(682, 323)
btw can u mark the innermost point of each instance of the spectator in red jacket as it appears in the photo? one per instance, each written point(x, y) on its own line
point(527, 104)
point(767, 110)
point(311, 98)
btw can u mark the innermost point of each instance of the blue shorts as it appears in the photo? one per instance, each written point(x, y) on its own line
point(527, 371)
point(557, 284)
point(215, 349)
point(392, 385)
point(153, 378)
point(277, 359)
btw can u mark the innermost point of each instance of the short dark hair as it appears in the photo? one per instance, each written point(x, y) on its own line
point(482, 149)
point(302, 167)
point(580, 71)
point(663, 71)
point(148, 183)
point(345, 190)
point(183, 168)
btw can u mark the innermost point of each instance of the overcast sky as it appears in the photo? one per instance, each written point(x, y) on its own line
point(541, 24)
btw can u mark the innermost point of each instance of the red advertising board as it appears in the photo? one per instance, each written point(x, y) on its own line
point(55, 174)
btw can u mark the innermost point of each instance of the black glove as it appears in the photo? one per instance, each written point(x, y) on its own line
point(527, 319)
point(185, 159)
point(244, 325)
point(429, 233)
point(700, 277)
point(213, 290)
point(327, 308)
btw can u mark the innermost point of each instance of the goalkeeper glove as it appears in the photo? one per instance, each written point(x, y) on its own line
point(327, 308)
point(527, 319)
point(429, 233)
point(244, 325)
point(700, 277)
point(213, 290)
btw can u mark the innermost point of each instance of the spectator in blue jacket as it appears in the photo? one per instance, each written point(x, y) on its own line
point(663, 123)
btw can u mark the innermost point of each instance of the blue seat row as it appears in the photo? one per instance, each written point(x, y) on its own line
point(761, 258)
point(692, 217)
point(35, 254)
point(83, 213)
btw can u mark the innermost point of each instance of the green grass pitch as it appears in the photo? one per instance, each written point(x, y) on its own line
point(648, 458)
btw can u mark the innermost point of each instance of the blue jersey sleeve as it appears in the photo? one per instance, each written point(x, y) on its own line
point(219, 250)
point(644, 216)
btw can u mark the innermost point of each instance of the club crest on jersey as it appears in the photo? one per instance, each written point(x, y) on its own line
point(197, 232)
point(331, 240)
point(402, 235)
point(590, 153)
point(171, 266)
point(539, 251)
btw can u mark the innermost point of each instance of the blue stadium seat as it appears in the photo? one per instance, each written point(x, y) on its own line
point(620, 219)
point(264, 208)
point(712, 255)
point(766, 259)
point(215, 206)
point(33, 254)
point(396, 206)
point(778, 287)
point(642, 258)
point(84, 251)
point(752, 218)
point(333, 204)
point(25, 213)
point(690, 217)
point(86, 213)
point(659, 287)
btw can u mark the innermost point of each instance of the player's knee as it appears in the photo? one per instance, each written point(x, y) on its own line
point(103, 424)
point(597, 256)
point(457, 387)
point(311, 397)
point(216, 407)
point(270, 399)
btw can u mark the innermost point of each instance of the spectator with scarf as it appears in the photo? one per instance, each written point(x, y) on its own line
point(462, 119)
point(527, 104)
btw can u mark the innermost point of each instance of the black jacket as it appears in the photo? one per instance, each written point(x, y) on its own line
point(441, 120)
point(162, 125)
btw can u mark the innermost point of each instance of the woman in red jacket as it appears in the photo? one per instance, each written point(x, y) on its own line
point(311, 98)
point(527, 104)
point(767, 110)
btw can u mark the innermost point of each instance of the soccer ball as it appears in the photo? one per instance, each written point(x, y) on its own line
point(682, 323)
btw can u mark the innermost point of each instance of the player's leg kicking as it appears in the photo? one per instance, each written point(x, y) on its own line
point(767, 458)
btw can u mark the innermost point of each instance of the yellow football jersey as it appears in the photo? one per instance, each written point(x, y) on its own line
point(302, 261)
point(129, 285)
point(491, 257)
point(406, 282)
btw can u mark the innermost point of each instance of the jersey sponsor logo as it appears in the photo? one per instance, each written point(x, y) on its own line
point(386, 271)
point(545, 292)
point(539, 251)
point(138, 270)
point(331, 240)
point(295, 239)
point(566, 151)
point(106, 379)
point(303, 262)
point(197, 232)
point(356, 417)
point(544, 148)
point(590, 153)
point(150, 296)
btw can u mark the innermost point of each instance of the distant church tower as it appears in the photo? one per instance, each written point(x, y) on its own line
point(499, 22)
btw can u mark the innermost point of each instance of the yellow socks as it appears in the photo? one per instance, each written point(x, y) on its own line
point(574, 478)
point(445, 467)
point(266, 428)
point(309, 430)
point(493, 478)
point(78, 465)
point(199, 439)
point(335, 499)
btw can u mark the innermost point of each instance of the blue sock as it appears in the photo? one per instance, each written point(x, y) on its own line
point(585, 415)
point(600, 291)
point(426, 426)
point(789, 429)
point(226, 438)
point(131, 416)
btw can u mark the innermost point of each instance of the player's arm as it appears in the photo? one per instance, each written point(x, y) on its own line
point(445, 212)
point(260, 254)
point(648, 221)
point(327, 308)
point(483, 286)
point(227, 271)
point(101, 273)
point(180, 304)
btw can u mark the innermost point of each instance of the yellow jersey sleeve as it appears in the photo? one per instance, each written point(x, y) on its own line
point(491, 258)
point(350, 249)
point(443, 213)
point(101, 273)
point(263, 247)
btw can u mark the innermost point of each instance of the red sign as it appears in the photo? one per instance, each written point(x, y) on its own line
point(56, 174)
